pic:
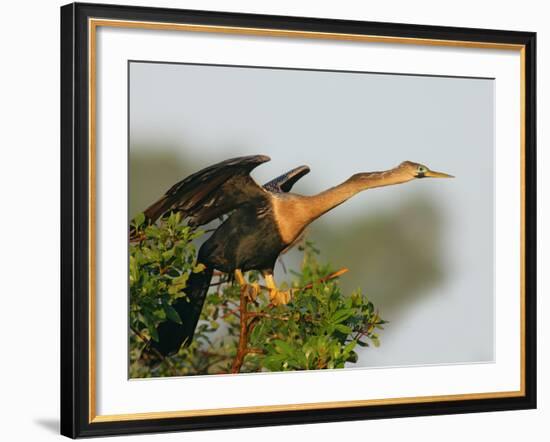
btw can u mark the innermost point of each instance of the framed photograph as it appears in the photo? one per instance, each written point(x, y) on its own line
point(275, 220)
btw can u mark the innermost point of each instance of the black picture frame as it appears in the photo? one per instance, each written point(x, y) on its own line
point(75, 219)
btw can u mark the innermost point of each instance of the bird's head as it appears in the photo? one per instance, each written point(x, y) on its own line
point(416, 170)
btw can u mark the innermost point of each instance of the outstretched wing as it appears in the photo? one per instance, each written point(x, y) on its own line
point(212, 191)
point(285, 182)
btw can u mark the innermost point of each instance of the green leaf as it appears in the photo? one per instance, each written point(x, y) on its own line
point(343, 329)
point(349, 346)
point(139, 219)
point(153, 332)
point(151, 327)
point(341, 315)
point(181, 280)
point(171, 313)
point(168, 254)
point(283, 347)
point(274, 362)
point(198, 268)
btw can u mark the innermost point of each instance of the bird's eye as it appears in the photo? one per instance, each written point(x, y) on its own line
point(421, 169)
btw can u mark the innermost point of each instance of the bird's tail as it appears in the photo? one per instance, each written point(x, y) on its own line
point(172, 335)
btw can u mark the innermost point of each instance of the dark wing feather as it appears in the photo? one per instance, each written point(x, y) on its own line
point(285, 182)
point(212, 191)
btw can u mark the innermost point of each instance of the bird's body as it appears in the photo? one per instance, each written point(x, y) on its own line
point(261, 223)
point(245, 241)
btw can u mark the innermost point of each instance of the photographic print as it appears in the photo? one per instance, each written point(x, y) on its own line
point(288, 219)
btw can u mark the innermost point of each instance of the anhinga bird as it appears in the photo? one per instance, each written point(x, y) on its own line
point(262, 222)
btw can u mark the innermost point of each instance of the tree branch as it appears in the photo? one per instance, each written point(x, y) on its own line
point(243, 334)
point(247, 320)
point(333, 275)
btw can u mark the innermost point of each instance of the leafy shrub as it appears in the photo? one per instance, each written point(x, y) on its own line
point(320, 328)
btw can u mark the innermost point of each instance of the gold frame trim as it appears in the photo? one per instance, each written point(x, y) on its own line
point(93, 24)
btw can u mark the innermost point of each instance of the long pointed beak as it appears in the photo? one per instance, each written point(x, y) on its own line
point(433, 174)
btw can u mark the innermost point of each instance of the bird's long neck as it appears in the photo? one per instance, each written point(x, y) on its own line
point(333, 197)
point(294, 213)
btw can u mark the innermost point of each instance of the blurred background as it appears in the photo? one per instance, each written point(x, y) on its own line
point(422, 251)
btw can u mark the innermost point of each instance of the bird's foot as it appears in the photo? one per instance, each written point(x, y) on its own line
point(276, 296)
point(252, 290)
point(280, 297)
